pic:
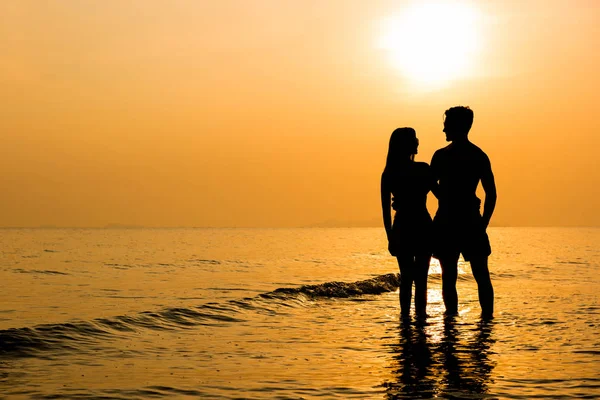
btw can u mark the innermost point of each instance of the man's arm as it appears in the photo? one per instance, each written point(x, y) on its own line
point(489, 187)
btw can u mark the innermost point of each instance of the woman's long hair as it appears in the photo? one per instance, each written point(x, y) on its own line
point(403, 146)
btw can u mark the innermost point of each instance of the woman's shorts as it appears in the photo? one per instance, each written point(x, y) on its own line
point(412, 240)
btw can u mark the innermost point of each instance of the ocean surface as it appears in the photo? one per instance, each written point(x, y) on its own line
point(289, 314)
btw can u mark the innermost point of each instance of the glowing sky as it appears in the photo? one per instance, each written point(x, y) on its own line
point(273, 113)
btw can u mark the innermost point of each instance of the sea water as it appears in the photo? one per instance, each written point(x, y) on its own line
point(289, 314)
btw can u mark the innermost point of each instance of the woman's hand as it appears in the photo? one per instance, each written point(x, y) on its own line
point(394, 204)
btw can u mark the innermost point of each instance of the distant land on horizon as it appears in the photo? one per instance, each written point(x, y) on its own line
point(379, 224)
point(322, 224)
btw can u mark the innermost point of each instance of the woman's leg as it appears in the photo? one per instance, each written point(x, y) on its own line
point(407, 267)
point(420, 275)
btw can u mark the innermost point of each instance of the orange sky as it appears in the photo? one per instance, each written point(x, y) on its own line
point(278, 113)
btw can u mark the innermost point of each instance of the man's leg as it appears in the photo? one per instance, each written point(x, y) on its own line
point(481, 273)
point(449, 266)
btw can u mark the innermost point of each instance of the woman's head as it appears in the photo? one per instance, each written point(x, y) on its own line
point(403, 147)
point(403, 144)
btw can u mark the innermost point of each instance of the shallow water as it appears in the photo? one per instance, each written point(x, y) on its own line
point(147, 313)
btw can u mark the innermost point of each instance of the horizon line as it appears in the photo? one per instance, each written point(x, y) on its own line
point(124, 226)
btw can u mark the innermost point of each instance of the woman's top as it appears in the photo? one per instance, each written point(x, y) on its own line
point(411, 230)
point(409, 186)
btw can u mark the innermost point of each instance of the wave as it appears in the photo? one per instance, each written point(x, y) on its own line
point(377, 285)
point(52, 339)
point(38, 271)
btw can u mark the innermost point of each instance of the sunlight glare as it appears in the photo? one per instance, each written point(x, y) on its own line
point(432, 43)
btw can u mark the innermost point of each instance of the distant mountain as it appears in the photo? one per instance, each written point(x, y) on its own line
point(372, 223)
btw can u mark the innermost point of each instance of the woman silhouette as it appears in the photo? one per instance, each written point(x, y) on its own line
point(409, 238)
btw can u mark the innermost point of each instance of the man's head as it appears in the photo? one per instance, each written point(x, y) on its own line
point(457, 122)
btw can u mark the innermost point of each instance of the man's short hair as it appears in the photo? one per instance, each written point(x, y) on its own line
point(461, 117)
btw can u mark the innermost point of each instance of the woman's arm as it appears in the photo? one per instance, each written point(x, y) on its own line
point(386, 195)
point(433, 180)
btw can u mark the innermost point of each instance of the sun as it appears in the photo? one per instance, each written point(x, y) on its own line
point(433, 43)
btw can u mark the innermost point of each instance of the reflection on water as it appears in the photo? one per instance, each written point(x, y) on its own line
point(442, 358)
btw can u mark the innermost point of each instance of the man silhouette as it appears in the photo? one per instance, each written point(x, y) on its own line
point(458, 225)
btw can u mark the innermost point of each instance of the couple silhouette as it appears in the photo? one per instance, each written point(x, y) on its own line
point(458, 226)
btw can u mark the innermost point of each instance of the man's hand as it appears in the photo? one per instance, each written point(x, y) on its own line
point(486, 222)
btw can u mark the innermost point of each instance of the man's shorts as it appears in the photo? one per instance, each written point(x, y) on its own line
point(453, 236)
